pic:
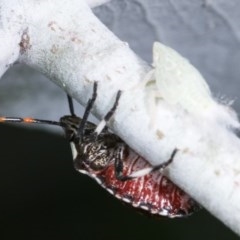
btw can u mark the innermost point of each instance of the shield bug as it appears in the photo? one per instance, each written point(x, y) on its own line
point(104, 157)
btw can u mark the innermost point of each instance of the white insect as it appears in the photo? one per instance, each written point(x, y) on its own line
point(179, 83)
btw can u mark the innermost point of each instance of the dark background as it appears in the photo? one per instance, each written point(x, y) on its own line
point(43, 197)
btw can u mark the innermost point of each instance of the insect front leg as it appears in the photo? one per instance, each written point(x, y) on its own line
point(87, 112)
point(108, 116)
point(118, 164)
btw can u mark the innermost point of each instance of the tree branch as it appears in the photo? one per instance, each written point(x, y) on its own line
point(66, 42)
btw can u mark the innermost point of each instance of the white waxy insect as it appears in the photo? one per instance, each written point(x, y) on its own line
point(179, 83)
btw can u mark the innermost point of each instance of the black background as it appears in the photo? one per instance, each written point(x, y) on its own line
point(43, 197)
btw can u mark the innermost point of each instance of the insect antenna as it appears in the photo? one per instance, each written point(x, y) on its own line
point(28, 120)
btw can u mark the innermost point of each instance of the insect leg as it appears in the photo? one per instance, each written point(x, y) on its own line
point(119, 167)
point(70, 104)
point(107, 117)
point(87, 112)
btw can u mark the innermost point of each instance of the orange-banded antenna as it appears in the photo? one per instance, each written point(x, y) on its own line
point(29, 120)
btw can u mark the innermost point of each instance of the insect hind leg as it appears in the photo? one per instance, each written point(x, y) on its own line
point(119, 167)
